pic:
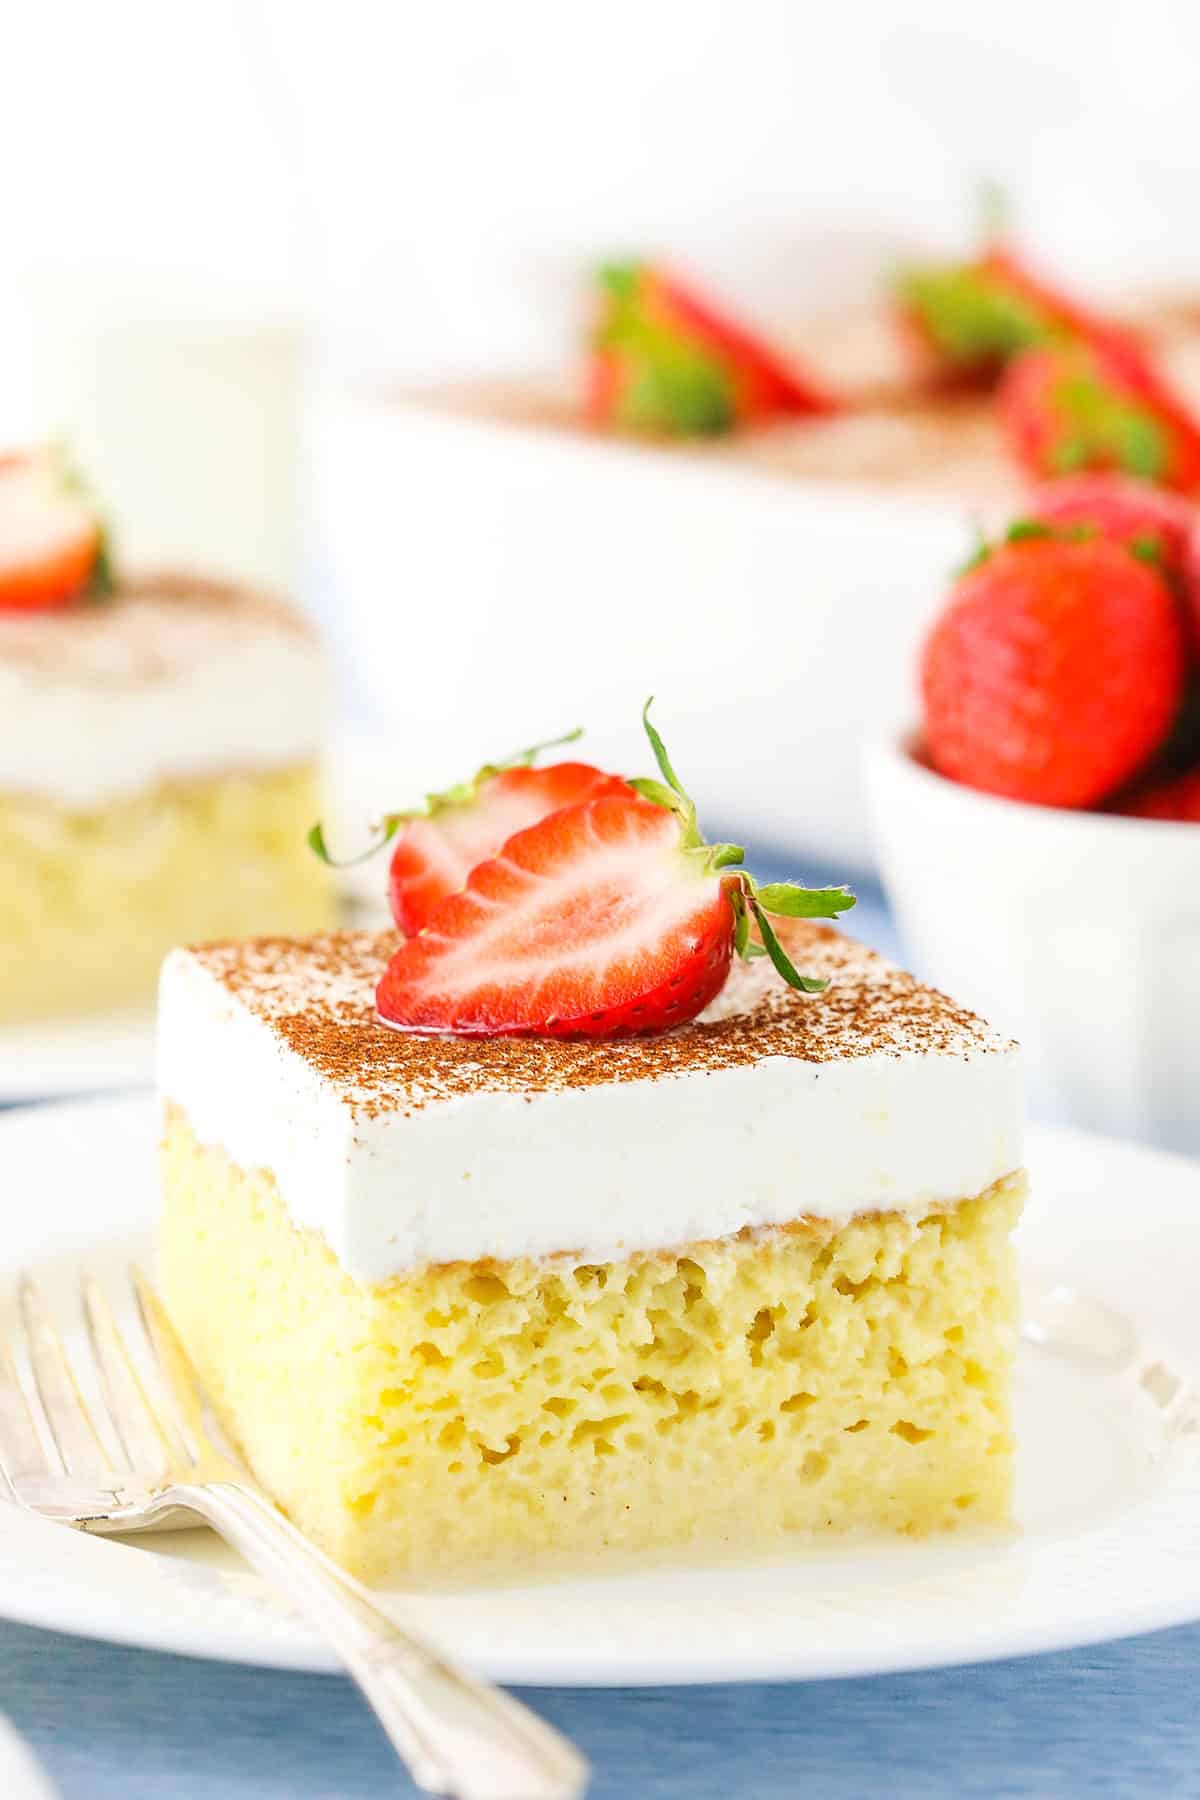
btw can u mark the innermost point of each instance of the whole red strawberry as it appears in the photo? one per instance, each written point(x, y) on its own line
point(665, 361)
point(607, 918)
point(1055, 672)
point(1177, 799)
point(1146, 519)
point(1088, 406)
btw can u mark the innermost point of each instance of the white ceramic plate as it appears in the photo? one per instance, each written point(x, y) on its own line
point(1109, 1484)
point(46, 1061)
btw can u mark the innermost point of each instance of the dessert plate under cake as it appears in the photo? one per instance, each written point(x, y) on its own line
point(1108, 1490)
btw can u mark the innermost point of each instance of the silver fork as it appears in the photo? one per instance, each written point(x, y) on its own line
point(169, 1466)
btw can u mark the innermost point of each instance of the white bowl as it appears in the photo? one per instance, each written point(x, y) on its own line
point(1077, 933)
point(495, 583)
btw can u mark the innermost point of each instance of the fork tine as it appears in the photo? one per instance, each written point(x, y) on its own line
point(173, 1367)
point(75, 1437)
point(21, 1449)
point(141, 1433)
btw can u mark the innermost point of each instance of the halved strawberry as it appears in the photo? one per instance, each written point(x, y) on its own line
point(664, 360)
point(441, 842)
point(436, 851)
point(591, 923)
point(51, 540)
point(1076, 406)
point(764, 381)
point(966, 321)
point(607, 918)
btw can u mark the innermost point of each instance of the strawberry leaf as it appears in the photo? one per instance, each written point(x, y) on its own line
point(102, 582)
point(1148, 547)
point(657, 792)
point(787, 898)
point(676, 391)
point(792, 901)
point(525, 759)
point(620, 280)
point(807, 984)
point(993, 208)
point(463, 794)
point(660, 754)
point(1102, 425)
point(741, 923)
point(388, 827)
point(1022, 530)
point(969, 315)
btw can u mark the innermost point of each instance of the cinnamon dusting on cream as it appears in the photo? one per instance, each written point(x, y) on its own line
point(317, 995)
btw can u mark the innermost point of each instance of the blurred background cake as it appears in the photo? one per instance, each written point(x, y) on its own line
point(158, 760)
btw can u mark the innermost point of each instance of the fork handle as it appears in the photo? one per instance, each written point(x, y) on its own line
point(458, 1736)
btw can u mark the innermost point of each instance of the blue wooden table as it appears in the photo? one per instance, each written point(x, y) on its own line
point(1120, 1720)
point(1113, 1723)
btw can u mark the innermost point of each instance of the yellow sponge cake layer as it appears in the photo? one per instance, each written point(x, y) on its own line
point(483, 1418)
point(92, 898)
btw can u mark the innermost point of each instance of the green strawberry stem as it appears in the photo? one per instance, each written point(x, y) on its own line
point(102, 581)
point(969, 314)
point(1147, 546)
point(462, 794)
point(993, 209)
point(786, 899)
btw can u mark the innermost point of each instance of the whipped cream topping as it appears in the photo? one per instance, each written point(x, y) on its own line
point(403, 1151)
point(173, 678)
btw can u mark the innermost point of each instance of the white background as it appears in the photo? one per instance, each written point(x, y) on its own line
point(422, 176)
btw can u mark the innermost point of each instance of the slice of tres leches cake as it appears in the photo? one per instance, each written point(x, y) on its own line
point(480, 1304)
point(546, 1273)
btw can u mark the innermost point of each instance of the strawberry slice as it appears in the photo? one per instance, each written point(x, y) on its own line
point(607, 918)
point(437, 851)
point(666, 361)
point(966, 321)
point(1004, 267)
point(51, 541)
point(1075, 407)
point(589, 924)
point(766, 382)
point(441, 842)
